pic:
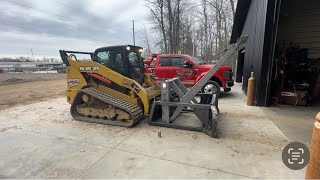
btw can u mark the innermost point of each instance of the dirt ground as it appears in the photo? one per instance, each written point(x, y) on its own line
point(23, 88)
point(14, 78)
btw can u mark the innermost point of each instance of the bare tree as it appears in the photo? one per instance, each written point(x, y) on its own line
point(157, 12)
point(232, 8)
point(201, 27)
point(146, 42)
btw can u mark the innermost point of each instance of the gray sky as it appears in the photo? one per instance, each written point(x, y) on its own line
point(83, 25)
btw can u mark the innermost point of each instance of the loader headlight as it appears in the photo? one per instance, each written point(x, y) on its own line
point(135, 87)
point(141, 50)
point(128, 48)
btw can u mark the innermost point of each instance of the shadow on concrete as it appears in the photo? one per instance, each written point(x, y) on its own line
point(296, 122)
point(227, 95)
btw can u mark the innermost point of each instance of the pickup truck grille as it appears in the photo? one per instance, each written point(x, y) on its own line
point(228, 74)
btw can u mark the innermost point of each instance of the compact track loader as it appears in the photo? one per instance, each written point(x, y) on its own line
point(111, 88)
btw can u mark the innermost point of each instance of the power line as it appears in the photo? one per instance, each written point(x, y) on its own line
point(59, 37)
point(60, 2)
point(30, 28)
point(50, 37)
point(43, 19)
point(64, 4)
point(41, 11)
point(23, 5)
point(35, 17)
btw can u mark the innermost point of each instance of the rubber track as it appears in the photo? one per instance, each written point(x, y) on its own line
point(134, 110)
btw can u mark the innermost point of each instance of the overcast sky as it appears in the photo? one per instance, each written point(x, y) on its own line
point(83, 25)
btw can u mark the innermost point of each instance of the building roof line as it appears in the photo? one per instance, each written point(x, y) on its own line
point(239, 19)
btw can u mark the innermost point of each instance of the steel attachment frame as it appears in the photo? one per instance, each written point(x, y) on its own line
point(176, 98)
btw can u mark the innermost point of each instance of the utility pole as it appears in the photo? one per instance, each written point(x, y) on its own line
point(33, 57)
point(133, 33)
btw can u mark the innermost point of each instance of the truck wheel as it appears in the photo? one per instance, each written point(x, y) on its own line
point(211, 87)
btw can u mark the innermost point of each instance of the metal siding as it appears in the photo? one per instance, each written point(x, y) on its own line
point(255, 28)
point(300, 23)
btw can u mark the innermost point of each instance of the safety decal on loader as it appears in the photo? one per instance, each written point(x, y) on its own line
point(73, 82)
point(89, 68)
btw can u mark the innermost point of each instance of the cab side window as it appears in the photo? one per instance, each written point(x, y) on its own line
point(165, 61)
point(133, 59)
point(103, 57)
point(178, 61)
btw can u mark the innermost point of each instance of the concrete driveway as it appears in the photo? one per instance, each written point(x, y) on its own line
point(42, 140)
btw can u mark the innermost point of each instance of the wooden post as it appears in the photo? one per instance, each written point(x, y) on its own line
point(313, 169)
point(251, 90)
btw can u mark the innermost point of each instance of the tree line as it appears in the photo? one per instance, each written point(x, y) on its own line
point(200, 28)
point(29, 59)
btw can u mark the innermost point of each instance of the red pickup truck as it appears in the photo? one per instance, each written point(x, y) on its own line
point(189, 70)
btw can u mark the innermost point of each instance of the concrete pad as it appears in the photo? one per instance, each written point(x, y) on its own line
point(246, 157)
point(53, 118)
point(25, 154)
point(295, 122)
point(47, 139)
point(250, 144)
point(121, 164)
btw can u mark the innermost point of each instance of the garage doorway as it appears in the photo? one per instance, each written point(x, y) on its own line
point(296, 64)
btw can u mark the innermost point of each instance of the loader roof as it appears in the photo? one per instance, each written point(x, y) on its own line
point(117, 46)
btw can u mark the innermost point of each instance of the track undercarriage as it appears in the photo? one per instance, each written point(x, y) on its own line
point(93, 105)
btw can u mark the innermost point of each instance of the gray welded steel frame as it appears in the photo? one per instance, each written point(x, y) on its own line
point(206, 110)
point(189, 95)
point(175, 85)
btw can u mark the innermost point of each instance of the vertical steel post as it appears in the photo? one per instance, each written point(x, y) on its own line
point(166, 97)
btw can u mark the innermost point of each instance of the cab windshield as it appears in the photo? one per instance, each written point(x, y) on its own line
point(196, 60)
point(124, 60)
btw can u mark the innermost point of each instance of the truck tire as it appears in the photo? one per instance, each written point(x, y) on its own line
point(212, 87)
